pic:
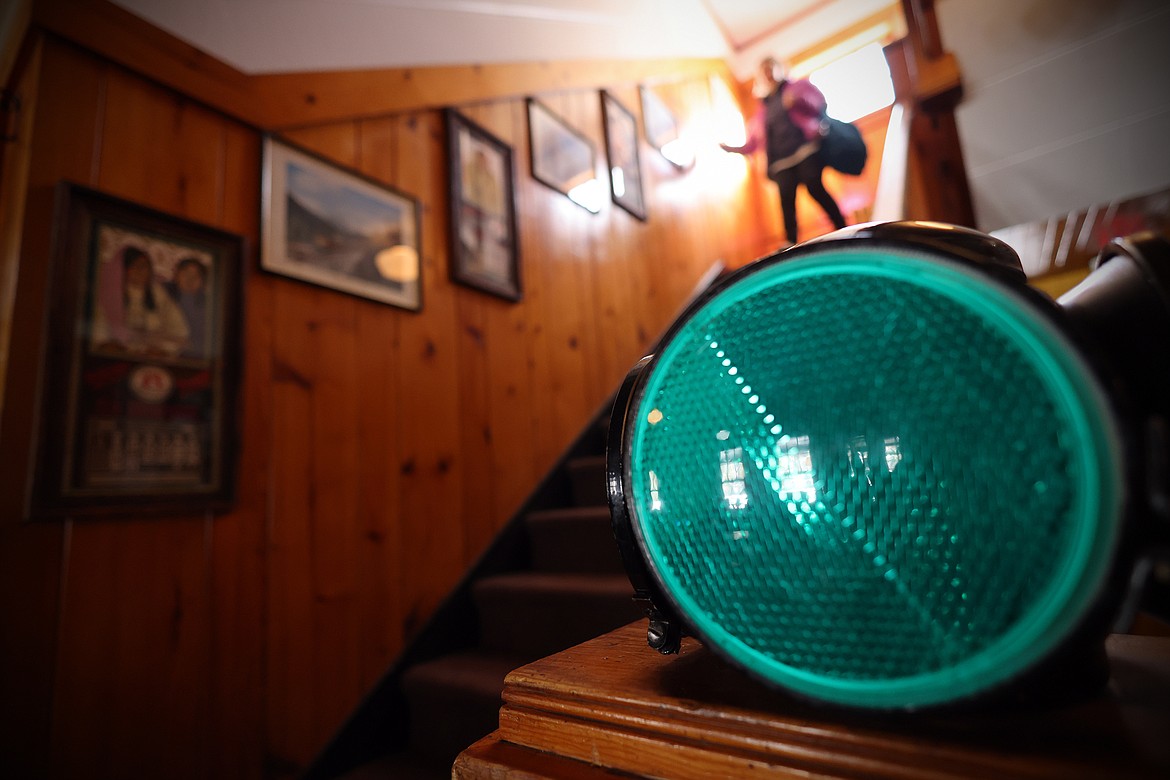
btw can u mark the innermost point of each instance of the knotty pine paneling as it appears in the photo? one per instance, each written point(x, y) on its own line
point(474, 326)
point(292, 603)
point(317, 598)
point(561, 238)
point(619, 270)
point(380, 450)
point(133, 657)
point(238, 545)
point(66, 92)
point(508, 341)
point(430, 503)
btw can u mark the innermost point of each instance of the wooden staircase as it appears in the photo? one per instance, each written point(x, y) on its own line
point(553, 579)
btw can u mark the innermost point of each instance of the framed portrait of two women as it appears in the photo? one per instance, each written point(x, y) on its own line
point(140, 363)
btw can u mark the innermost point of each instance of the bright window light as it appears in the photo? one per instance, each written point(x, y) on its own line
point(728, 116)
point(857, 84)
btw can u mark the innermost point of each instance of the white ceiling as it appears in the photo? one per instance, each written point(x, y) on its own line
point(285, 36)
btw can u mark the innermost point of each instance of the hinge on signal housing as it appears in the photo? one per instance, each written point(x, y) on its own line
point(10, 111)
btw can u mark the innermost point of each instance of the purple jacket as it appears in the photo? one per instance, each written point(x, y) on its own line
point(806, 106)
point(785, 121)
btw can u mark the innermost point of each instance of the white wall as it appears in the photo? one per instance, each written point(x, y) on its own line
point(821, 21)
point(291, 36)
point(1066, 102)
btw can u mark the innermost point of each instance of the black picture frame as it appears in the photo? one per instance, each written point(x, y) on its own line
point(562, 157)
point(140, 367)
point(661, 125)
point(484, 233)
point(621, 151)
point(338, 228)
point(659, 121)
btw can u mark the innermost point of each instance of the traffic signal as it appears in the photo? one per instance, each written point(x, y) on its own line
point(879, 470)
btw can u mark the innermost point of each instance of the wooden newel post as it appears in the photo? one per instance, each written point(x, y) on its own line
point(928, 79)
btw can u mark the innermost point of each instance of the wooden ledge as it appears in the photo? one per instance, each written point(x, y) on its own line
point(612, 705)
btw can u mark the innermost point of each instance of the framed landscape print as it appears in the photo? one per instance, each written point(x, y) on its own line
point(338, 229)
point(484, 252)
point(621, 149)
point(563, 158)
point(141, 362)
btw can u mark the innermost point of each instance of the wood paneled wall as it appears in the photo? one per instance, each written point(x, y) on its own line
point(381, 450)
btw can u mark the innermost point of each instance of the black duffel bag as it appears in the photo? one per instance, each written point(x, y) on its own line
point(842, 147)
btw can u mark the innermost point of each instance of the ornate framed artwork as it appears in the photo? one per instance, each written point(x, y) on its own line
point(621, 149)
point(337, 228)
point(484, 251)
point(141, 362)
point(562, 158)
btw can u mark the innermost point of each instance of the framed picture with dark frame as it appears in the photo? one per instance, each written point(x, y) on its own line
point(621, 149)
point(484, 236)
point(662, 130)
point(141, 363)
point(562, 157)
point(661, 126)
point(337, 228)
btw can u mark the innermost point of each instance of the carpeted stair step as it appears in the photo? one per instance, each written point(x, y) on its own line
point(534, 614)
point(575, 540)
point(454, 701)
point(587, 478)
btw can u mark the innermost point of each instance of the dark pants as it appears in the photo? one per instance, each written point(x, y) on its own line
point(808, 173)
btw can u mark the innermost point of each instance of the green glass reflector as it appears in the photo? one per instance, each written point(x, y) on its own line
point(874, 477)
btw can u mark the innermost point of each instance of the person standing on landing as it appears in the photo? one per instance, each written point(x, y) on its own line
point(788, 122)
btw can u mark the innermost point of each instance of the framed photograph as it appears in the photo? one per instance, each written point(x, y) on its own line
point(661, 126)
point(662, 129)
point(563, 158)
point(484, 252)
point(141, 362)
point(621, 149)
point(338, 229)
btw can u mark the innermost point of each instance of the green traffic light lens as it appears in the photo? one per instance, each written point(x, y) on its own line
point(874, 477)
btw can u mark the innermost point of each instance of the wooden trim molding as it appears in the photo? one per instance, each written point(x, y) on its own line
point(309, 98)
point(613, 707)
point(891, 17)
point(288, 100)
